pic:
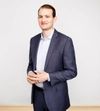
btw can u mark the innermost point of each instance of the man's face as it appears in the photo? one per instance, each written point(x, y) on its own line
point(45, 19)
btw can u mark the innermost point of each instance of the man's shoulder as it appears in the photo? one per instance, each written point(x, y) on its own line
point(62, 35)
point(36, 36)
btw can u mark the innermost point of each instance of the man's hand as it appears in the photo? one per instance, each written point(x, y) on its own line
point(30, 77)
point(41, 76)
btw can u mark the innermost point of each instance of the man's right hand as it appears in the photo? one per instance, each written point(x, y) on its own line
point(30, 77)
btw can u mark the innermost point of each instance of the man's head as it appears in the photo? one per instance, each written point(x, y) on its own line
point(46, 16)
point(47, 6)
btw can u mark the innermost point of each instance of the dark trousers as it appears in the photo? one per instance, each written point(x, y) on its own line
point(39, 102)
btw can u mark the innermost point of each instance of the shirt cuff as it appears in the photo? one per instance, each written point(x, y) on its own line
point(48, 77)
point(30, 72)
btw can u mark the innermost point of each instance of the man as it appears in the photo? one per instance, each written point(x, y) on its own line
point(51, 64)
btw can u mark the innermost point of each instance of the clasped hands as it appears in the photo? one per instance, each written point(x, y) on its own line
point(40, 77)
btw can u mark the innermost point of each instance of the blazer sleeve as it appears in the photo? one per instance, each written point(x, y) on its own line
point(69, 65)
point(30, 64)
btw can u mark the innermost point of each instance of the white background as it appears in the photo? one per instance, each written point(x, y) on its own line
point(79, 19)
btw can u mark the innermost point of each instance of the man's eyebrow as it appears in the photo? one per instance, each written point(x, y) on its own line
point(40, 15)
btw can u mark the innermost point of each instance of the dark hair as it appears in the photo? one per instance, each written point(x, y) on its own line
point(48, 7)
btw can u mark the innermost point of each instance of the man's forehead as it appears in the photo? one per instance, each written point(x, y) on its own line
point(46, 10)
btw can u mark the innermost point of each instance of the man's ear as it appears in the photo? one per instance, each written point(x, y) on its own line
point(55, 19)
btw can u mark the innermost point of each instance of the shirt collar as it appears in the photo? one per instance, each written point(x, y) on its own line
point(49, 37)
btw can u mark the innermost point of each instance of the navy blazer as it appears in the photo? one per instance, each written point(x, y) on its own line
point(61, 66)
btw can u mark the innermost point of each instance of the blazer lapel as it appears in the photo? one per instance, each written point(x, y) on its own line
point(51, 48)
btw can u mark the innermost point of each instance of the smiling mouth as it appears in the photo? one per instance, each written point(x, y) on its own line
point(43, 23)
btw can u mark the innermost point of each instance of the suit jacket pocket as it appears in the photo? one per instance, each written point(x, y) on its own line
point(61, 87)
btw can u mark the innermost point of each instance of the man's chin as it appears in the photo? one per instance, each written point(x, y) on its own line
point(44, 29)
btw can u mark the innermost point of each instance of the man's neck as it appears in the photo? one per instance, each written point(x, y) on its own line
point(46, 33)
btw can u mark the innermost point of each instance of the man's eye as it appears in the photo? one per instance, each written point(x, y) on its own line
point(47, 16)
point(39, 16)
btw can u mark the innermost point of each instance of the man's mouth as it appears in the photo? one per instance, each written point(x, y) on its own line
point(43, 23)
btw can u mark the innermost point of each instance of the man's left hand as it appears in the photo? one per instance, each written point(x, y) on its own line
point(41, 76)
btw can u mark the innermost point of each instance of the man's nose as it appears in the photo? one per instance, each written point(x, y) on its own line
point(43, 19)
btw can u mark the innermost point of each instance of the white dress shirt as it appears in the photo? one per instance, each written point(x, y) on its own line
point(42, 53)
